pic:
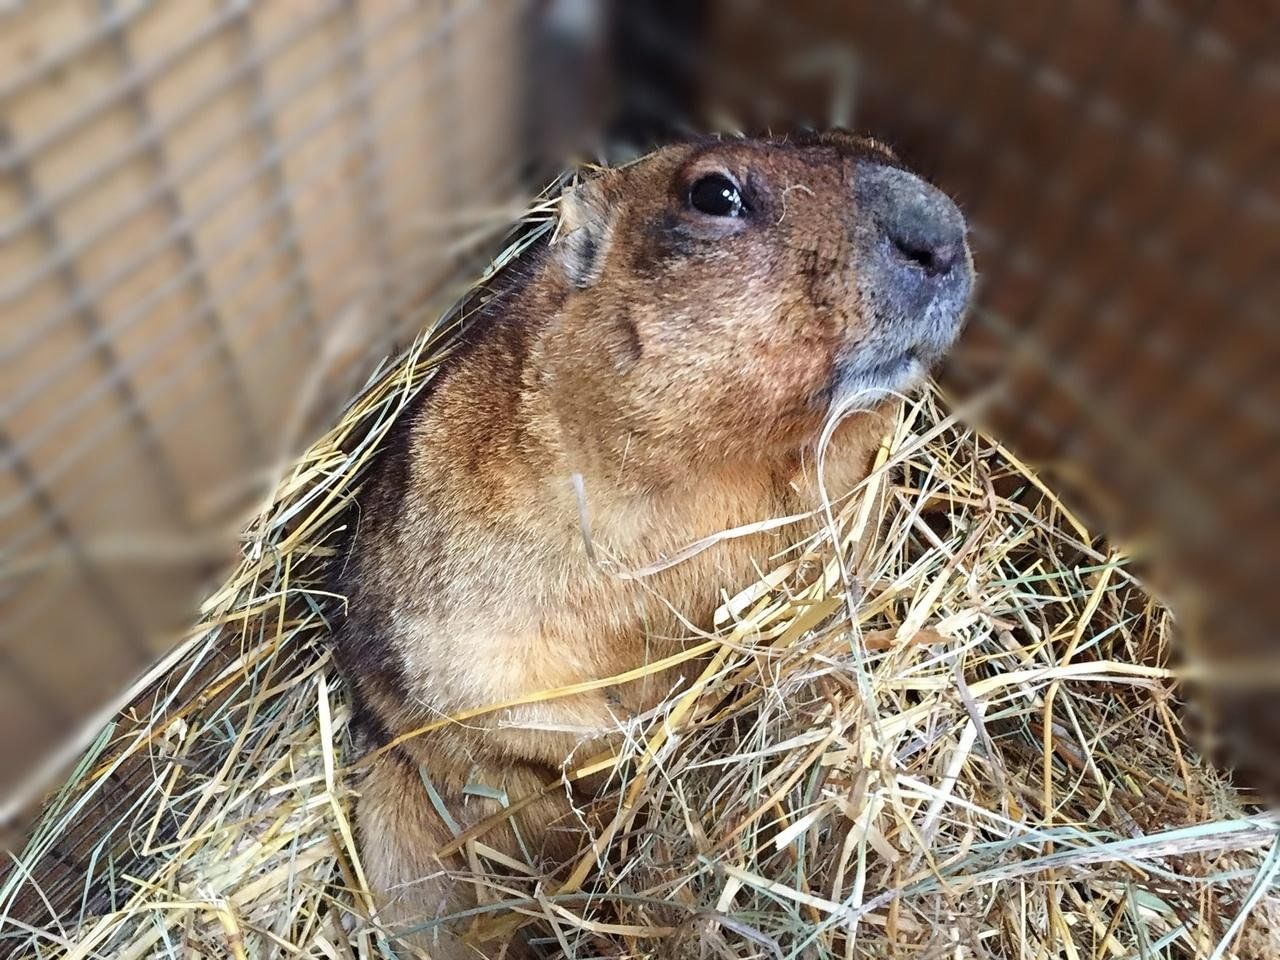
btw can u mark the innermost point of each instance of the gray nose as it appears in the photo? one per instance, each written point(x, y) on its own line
point(914, 275)
point(920, 223)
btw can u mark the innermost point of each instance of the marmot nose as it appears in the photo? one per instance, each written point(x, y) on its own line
point(927, 242)
point(921, 224)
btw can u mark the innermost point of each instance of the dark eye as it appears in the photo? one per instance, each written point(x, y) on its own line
point(716, 195)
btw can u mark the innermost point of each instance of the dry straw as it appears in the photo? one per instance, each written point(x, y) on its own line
point(946, 727)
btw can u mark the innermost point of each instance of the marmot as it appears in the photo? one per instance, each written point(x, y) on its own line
point(663, 368)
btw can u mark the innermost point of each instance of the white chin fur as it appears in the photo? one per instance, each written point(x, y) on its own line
point(863, 389)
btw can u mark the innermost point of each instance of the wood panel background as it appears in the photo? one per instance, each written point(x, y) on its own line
point(215, 215)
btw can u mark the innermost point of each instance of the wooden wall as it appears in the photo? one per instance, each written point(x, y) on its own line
point(215, 215)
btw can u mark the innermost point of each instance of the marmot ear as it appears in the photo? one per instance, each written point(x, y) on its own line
point(585, 229)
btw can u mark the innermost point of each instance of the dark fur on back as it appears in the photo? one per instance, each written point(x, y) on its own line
point(361, 634)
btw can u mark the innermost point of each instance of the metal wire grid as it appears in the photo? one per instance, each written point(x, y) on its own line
point(1088, 427)
point(283, 317)
point(180, 233)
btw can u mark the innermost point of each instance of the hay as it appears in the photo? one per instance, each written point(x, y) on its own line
point(955, 735)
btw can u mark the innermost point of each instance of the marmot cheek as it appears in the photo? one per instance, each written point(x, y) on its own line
point(808, 345)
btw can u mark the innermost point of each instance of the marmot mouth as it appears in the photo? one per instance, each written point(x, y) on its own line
point(891, 371)
point(858, 384)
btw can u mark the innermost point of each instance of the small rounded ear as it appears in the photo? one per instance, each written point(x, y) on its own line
point(585, 229)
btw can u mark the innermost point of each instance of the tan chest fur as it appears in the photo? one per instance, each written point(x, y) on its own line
point(577, 583)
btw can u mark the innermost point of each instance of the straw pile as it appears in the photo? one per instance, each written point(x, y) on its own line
point(965, 743)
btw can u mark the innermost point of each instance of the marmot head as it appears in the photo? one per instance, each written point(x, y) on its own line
point(722, 296)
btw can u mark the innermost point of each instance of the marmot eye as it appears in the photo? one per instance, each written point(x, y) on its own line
point(716, 195)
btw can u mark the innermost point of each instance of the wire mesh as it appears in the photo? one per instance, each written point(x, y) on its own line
point(195, 203)
point(193, 199)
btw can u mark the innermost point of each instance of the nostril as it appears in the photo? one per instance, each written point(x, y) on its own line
point(933, 256)
point(917, 223)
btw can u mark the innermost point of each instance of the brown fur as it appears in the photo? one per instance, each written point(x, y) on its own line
point(682, 367)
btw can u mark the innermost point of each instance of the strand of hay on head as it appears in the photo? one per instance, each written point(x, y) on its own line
point(946, 727)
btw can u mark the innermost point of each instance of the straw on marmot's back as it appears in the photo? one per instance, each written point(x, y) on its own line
point(659, 372)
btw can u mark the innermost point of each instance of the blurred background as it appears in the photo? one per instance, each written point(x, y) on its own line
point(216, 216)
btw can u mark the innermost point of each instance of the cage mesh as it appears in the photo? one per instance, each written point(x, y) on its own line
point(218, 215)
